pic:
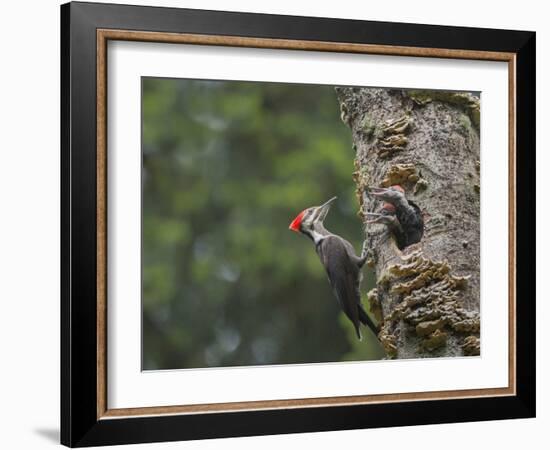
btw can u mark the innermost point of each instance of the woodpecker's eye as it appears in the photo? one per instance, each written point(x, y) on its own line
point(309, 215)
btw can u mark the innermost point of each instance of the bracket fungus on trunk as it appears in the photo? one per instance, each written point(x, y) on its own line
point(427, 142)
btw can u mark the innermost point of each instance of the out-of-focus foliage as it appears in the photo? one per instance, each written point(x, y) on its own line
point(226, 167)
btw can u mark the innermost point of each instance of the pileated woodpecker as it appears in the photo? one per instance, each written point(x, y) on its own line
point(342, 265)
point(387, 217)
point(408, 213)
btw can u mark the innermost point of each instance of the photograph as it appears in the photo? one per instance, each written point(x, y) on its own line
point(287, 223)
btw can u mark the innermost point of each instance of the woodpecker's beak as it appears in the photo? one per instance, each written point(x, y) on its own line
point(378, 192)
point(373, 217)
point(323, 210)
point(390, 194)
point(379, 218)
point(383, 219)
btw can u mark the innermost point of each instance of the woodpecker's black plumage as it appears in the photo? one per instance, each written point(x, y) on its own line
point(412, 222)
point(407, 213)
point(342, 265)
point(387, 217)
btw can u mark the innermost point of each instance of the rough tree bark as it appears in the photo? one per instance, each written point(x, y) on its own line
point(427, 295)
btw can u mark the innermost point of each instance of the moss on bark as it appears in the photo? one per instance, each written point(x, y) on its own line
point(427, 142)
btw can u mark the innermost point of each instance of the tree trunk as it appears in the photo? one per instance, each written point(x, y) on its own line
point(427, 295)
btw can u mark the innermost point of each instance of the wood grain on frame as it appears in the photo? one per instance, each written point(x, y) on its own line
point(101, 191)
point(512, 223)
point(103, 35)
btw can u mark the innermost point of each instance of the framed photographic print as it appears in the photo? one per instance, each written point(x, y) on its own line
point(276, 224)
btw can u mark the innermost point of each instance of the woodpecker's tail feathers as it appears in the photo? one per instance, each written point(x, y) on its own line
point(366, 320)
point(358, 332)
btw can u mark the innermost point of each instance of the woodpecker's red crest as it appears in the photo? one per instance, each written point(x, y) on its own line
point(295, 224)
point(388, 208)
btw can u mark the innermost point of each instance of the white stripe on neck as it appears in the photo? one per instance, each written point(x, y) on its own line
point(317, 237)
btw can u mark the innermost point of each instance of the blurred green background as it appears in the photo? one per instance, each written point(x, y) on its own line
point(226, 167)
